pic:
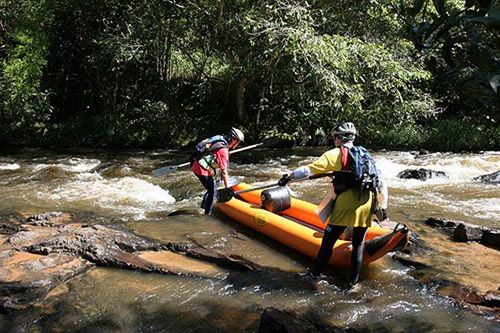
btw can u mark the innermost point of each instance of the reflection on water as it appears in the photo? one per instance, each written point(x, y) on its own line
point(119, 188)
point(115, 300)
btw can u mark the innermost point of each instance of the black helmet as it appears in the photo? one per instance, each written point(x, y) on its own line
point(346, 131)
point(235, 133)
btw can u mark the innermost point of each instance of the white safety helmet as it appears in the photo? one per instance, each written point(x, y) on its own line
point(346, 131)
point(235, 133)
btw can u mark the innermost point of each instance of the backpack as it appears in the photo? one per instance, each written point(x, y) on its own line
point(359, 171)
point(207, 146)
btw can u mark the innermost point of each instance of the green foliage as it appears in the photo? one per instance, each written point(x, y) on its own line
point(319, 79)
point(459, 42)
point(459, 135)
point(24, 102)
point(165, 72)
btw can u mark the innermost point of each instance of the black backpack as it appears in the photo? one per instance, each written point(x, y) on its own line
point(359, 171)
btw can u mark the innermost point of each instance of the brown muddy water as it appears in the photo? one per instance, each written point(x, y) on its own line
point(118, 189)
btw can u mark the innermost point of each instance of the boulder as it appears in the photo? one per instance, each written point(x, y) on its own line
point(491, 238)
point(444, 225)
point(493, 178)
point(492, 298)
point(423, 152)
point(421, 174)
point(467, 233)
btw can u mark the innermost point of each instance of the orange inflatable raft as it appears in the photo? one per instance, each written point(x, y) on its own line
point(300, 228)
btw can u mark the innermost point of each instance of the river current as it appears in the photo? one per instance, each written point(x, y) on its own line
point(117, 188)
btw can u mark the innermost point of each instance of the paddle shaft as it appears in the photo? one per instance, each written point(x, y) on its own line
point(172, 168)
point(230, 152)
point(319, 175)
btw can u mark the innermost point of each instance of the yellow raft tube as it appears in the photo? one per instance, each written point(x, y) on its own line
point(300, 228)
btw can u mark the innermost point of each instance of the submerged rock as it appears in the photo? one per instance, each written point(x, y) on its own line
point(445, 226)
point(489, 178)
point(468, 281)
point(26, 277)
point(492, 298)
point(49, 249)
point(491, 238)
point(421, 174)
point(468, 232)
point(279, 321)
point(463, 270)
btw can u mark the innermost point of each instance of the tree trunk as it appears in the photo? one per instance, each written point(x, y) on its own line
point(240, 97)
point(262, 93)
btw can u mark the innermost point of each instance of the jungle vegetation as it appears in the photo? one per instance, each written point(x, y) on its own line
point(157, 73)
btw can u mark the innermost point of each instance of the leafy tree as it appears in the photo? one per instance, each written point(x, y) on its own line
point(24, 36)
point(164, 72)
point(459, 41)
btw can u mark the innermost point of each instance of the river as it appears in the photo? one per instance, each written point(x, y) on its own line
point(117, 188)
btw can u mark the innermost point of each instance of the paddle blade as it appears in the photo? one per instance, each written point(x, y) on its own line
point(225, 194)
point(269, 142)
point(164, 170)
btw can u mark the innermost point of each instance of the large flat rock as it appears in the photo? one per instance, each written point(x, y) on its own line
point(25, 277)
point(44, 252)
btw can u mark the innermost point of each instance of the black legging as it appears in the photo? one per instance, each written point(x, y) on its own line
point(211, 194)
point(332, 233)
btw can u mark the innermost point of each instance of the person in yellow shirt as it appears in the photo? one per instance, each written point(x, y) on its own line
point(352, 208)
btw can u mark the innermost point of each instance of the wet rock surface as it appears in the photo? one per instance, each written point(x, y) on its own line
point(463, 294)
point(491, 238)
point(489, 178)
point(279, 321)
point(47, 250)
point(492, 298)
point(466, 232)
point(446, 225)
point(26, 277)
point(421, 174)
point(468, 270)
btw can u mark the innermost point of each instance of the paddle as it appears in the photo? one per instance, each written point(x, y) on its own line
point(226, 194)
point(171, 168)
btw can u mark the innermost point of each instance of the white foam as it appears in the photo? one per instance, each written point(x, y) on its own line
point(459, 168)
point(9, 166)
point(445, 195)
point(76, 165)
point(128, 195)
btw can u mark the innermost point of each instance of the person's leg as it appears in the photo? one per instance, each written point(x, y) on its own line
point(332, 233)
point(211, 194)
point(358, 238)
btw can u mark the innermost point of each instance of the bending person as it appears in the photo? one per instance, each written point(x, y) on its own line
point(212, 154)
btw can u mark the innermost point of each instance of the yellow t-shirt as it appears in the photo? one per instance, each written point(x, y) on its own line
point(351, 208)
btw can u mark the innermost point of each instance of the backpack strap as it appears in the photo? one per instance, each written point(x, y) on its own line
point(344, 155)
point(216, 145)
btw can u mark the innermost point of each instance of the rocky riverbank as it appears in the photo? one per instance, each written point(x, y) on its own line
point(40, 254)
point(469, 260)
point(47, 250)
